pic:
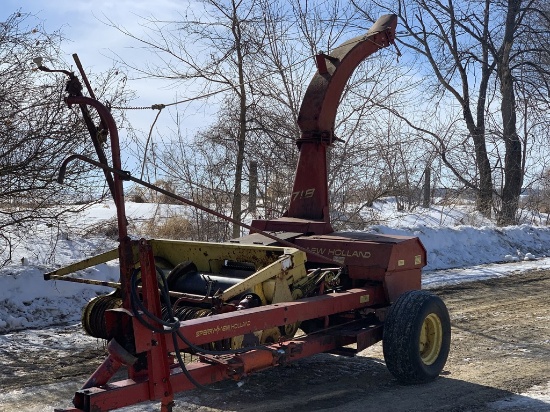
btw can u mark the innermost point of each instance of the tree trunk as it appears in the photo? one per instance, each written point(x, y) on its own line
point(427, 187)
point(252, 186)
point(513, 176)
point(241, 137)
point(484, 199)
point(237, 193)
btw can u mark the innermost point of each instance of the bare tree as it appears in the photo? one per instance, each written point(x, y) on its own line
point(211, 52)
point(473, 50)
point(513, 176)
point(37, 131)
point(276, 72)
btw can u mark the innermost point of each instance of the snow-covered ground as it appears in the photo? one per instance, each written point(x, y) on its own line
point(461, 247)
point(456, 253)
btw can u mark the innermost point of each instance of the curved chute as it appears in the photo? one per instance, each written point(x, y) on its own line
point(309, 199)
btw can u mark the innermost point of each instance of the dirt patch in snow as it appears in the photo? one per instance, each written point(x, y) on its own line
point(500, 347)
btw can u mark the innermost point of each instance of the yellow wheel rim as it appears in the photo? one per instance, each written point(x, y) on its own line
point(431, 338)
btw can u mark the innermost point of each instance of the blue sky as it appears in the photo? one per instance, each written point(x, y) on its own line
point(81, 22)
point(82, 26)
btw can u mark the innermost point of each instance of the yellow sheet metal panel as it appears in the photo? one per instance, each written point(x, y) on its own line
point(209, 256)
point(289, 268)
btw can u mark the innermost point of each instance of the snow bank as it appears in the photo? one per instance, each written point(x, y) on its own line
point(453, 247)
point(455, 253)
point(27, 301)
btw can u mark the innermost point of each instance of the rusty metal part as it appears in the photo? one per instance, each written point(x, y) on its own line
point(74, 88)
point(309, 199)
point(126, 257)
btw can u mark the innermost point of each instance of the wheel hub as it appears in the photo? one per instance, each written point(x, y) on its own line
point(431, 338)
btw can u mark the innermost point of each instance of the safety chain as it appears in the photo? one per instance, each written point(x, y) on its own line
point(152, 107)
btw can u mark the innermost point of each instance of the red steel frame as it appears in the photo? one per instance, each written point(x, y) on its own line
point(147, 355)
point(162, 377)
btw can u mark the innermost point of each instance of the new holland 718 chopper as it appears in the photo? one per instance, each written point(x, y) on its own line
point(290, 289)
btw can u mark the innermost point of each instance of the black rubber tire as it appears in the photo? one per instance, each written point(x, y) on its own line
point(402, 335)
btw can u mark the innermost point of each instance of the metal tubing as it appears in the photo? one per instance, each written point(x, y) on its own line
point(188, 297)
point(129, 392)
point(317, 114)
point(125, 253)
point(107, 118)
point(227, 325)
